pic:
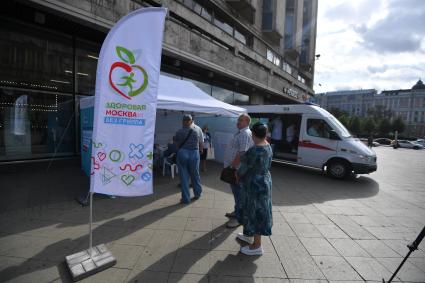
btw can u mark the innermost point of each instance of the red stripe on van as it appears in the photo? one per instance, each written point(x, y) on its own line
point(313, 145)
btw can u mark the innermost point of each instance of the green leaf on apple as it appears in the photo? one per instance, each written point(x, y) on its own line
point(125, 55)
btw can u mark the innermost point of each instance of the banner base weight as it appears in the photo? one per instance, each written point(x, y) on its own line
point(81, 265)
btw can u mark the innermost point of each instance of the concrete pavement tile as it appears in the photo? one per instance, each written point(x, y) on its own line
point(295, 258)
point(182, 212)
point(137, 238)
point(225, 205)
point(318, 246)
point(318, 219)
point(203, 203)
point(38, 247)
point(200, 212)
point(305, 208)
point(173, 223)
point(198, 224)
point(364, 220)
point(383, 233)
point(377, 248)
point(111, 275)
point(307, 281)
point(418, 262)
point(348, 247)
point(329, 210)
point(408, 271)
point(191, 261)
point(305, 230)
point(336, 268)
point(282, 228)
point(20, 270)
point(160, 252)
point(139, 276)
point(400, 247)
point(368, 268)
point(227, 244)
point(296, 218)
point(237, 279)
point(331, 231)
point(237, 264)
point(225, 196)
point(350, 227)
point(351, 211)
point(155, 261)
point(126, 255)
point(409, 222)
point(221, 222)
point(196, 240)
point(175, 277)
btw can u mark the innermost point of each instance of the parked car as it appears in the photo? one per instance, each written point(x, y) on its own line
point(366, 142)
point(421, 142)
point(383, 141)
point(409, 144)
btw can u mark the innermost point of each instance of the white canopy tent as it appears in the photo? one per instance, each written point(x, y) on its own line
point(180, 95)
point(176, 97)
point(175, 94)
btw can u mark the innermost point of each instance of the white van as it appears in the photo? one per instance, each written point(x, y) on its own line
point(307, 135)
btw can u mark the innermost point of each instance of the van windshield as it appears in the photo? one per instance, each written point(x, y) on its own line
point(339, 127)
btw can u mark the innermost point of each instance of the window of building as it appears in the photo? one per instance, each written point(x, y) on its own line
point(222, 94)
point(273, 57)
point(87, 55)
point(289, 34)
point(35, 59)
point(223, 25)
point(35, 124)
point(241, 99)
point(286, 67)
point(267, 20)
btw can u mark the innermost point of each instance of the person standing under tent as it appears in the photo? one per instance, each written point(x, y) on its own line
point(239, 144)
point(189, 140)
point(207, 145)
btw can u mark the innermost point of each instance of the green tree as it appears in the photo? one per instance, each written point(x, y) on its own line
point(344, 120)
point(338, 113)
point(355, 125)
point(398, 125)
point(379, 112)
point(384, 127)
point(368, 126)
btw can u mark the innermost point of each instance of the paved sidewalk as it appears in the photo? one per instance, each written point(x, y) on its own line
point(324, 230)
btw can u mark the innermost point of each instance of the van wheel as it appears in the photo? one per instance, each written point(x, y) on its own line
point(338, 169)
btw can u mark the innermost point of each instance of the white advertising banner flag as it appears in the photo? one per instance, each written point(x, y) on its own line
point(125, 105)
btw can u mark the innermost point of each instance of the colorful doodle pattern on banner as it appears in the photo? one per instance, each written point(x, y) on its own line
point(132, 165)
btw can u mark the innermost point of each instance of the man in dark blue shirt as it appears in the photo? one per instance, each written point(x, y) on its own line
point(190, 141)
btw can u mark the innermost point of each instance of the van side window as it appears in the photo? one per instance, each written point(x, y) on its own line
point(318, 128)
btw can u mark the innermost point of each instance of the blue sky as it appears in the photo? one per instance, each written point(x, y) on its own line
point(370, 44)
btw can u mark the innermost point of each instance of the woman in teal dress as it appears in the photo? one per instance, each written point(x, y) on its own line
point(256, 193)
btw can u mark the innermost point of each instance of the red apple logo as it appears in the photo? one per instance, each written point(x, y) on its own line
point(129, 85)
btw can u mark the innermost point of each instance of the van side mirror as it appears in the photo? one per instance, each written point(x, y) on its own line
point(333, 135)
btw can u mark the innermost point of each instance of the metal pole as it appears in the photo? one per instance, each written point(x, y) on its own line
point(91, 220)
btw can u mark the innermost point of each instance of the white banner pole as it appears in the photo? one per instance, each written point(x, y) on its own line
point(91, 230)
point(124, 120)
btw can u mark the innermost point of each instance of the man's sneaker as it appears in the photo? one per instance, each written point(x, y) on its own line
point(230, 214)
point(246, 239)
point(246, 250)
point(232, 223)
